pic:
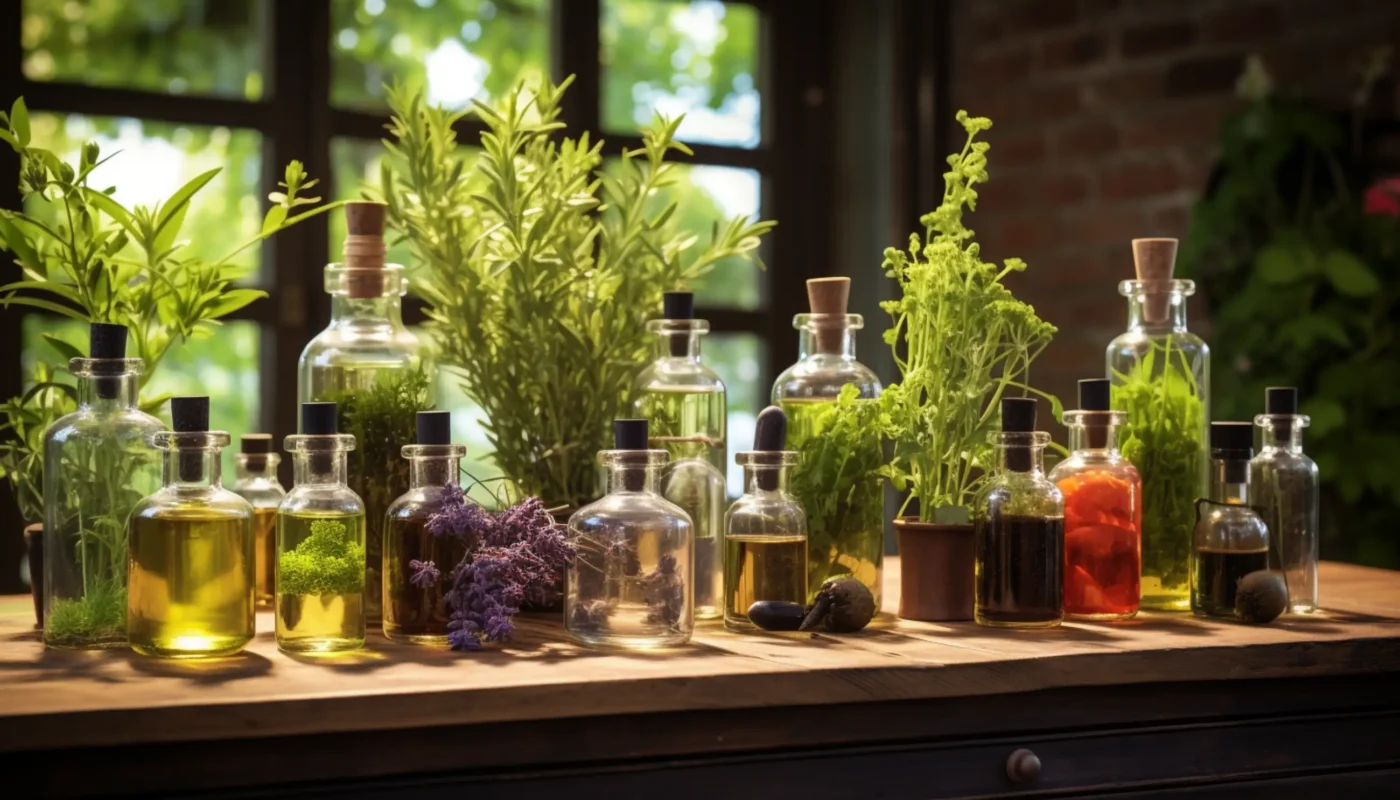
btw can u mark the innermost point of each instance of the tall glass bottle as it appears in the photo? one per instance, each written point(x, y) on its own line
point(1284, 487)
point(190, 582)
point(416, 611)
point(369, 364)
point(258, 484)
point(630, 586)
point(1160, 373)
point(850, 539)
point(1020, 530)
point(1231, 540)
point(98, 464)
point(320, 543)
point(683, 402)
point(1103, 511)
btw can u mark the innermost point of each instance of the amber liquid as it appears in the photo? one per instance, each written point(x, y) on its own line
point(412, 612)
point(1214, 578)
point(762, 568)
point(1020, 571)
point(265, 553)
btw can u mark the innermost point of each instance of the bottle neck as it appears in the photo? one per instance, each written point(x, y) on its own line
point(1229, 480)
point(318, 468)
point(1094, 438)
point(1282, 435)
point(192, 468)
point(257, 466)
point(678, 344)
point(1161, 311)
point(765, 478)
point(109, 392)
point(827, 341)
point(1021, 458)
point(424, 472)
point(636, 476)
point(383, 311)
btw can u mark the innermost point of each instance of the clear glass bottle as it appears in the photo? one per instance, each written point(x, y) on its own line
point(1020, 530)
point(765, 539)
point(98, 464)
point(630, 586)
point(416, 611)
point(368, 362)
point(1161, 381)
point(320, 543)
point(1284, 487)
point(1231, 540)
point(851, 539)
point(1103, 511)
point(190, 581)
point(683, 401)
point(258, 484)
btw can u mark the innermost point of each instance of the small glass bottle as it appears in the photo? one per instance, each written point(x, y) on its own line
point(98, 464)
point(765, 531)
point(190, 582)
point(415, 611)
point(1103, 511)
point(320, 543)
point(683, 401)
point(1284, 487)
point(1231, 540)
point(1020, 530)
point(1161, 381)
point(630, 585)
point(850, 540)
point(258, 484)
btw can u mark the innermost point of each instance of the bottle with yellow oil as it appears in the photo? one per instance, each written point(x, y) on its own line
point(257, 483)
point(190, 554)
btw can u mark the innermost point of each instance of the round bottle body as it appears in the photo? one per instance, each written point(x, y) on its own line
point(1019, 527)
point(416, 612)
point(765, 549)
point(320, 572)
point(1103, 541)
point(1231, 541)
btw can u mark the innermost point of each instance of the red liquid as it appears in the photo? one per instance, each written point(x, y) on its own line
point(1103, 545)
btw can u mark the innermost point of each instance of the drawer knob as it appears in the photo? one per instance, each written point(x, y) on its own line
point(1023, 766)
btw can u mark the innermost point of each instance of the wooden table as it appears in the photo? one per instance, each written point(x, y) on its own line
point(1164, 703)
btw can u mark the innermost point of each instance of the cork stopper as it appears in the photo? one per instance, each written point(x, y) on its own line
point(829, 296)
point(1155, 261)
point(364, 248)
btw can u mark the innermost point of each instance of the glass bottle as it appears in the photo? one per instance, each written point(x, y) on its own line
point(630, 584)
point(98, 464)
point(765, 536)
point(1160, 373)
point(683, 402)
point(1231, 540)
point(320, 543)
point(258, 484)
point(1103, 511)
point(850, 540)
point(415, 611)
point(1284, 487)
point(190, 578)
point(368, 363)
point(1020, 529)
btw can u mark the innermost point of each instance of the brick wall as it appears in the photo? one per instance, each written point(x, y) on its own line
point(1105, 114)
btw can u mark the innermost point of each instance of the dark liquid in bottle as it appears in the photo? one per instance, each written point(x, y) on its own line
point(1216, 574)
point(1020, 570)
point(417, 611)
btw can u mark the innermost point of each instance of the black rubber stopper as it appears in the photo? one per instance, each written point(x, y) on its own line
point(1231, 438)
point(319, 419)
point(1018, 414)
point(629, 434)
point(106, 340)
point(769, 436)
point(1281, 400)
point(256, 443)
point(678, 305)
point(189, 414)
point(435, 427)
point(1093, 394)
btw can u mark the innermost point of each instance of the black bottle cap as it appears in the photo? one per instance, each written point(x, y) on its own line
point(678, 305)
point(435, 427)
point(319, 419)
point(1281, 400)
point(1018, 414)
point(106, 340)
point(770, 431)
point(1093, 394)
point(254, 444)
point(1232, 439)
point(189, 414)
point(629, 434)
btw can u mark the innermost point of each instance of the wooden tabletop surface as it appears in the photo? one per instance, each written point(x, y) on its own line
point(54, 699)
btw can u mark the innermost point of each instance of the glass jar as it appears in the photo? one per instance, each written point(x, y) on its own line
point(1161, 381)
point(630, 585)
point(257, 483)
point(1231, 540)
point(98, 463)
point(1284, 487)
point(765, 539)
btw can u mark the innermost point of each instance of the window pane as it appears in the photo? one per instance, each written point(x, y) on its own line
point(698, 58)
point(740, 360)
point(464, 49)
point(178, 46)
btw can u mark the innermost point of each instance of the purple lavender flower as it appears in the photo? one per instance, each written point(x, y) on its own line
point(425, 573)
point(663, 590)
point(590, 616)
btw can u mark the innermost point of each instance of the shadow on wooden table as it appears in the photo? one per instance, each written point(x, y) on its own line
point(203, 671)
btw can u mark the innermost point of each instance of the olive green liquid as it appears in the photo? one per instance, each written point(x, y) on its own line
point(758, 568)
point(412, 612)
point(265, 553)
point(320, 582)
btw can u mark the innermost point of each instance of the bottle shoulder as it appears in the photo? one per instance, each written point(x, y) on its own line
point(1022, 493)
point(632, 511)
point(418, 502)
point(346, 346)
point(822, 377)
point(322, 497)
point(197, 503)
point(765, 514)
point(87, 424)
point(1277, 461)
point(679, 375)
point(1231, 527)
point(1079, 464)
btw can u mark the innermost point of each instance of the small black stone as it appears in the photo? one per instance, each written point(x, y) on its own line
point(776, 615)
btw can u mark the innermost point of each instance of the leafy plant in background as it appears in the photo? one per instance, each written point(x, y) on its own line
point(1302, 285)
point(538, 287)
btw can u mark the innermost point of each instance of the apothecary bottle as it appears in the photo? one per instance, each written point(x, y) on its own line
point(257, 483)
point(1103, 511)
point(320, 543)
point(850, 539)
point(415, 602)
point(99, 462)
point(190, 578)
point(1283, 485)
point(1161, 381)
point(630, 585)
point(1020, 529)
point(1231, 540)
point(765, 539)
point(370, 364)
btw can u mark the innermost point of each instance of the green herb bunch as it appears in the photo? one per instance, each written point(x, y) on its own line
point(541, 271)
point(969, 341)
point(327, 562)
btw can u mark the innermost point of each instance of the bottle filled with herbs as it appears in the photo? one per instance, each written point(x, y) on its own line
point(826, 398)
point(99, 462)
point(320, 542)
point(1160, 373)
point(1231, 541)
point(630, 584)
point(257, 483)
point(683, 401)
point(1283, 486)
point(1103, 511)
point(190, 576)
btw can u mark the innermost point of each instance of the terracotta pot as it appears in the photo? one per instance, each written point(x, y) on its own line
point(936, 566)
point(34, 537)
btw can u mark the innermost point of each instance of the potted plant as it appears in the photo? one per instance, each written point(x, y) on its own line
point(967, 341)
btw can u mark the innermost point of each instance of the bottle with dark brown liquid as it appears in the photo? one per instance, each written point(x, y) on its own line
point(1231, 540)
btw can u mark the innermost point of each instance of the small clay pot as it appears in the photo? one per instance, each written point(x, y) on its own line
point(936, 567)
point(34, 538)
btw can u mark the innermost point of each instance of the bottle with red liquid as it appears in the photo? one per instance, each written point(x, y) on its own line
point(1103, 512)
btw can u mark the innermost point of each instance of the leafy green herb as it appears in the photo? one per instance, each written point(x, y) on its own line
point(327, 562)
point(99, 615)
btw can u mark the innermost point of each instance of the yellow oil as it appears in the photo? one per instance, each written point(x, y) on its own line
point(265, 558)
point(1158, 597)
point(320, 582)
point(190, 583)
point(762, 568)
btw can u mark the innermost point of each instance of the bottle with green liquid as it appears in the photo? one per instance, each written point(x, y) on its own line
point(320, 543)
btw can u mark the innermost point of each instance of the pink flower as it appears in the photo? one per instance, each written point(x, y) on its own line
point(1384, 197)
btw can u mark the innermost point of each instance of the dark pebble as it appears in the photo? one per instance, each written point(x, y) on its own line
point(776, 615)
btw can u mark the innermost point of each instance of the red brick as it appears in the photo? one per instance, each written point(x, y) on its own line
point(1196, 123)
point(1139, 179)
point(1003, 69)
point(1053, 103)
point(1124, 90)
point(1245, 25)
point(1073, 51)
point(1197, 76)
point(1170, 221)
point(1103, 225)
point(1153, 40)
point(1036, 16)
point(1092, 138)
point(1015, 149)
